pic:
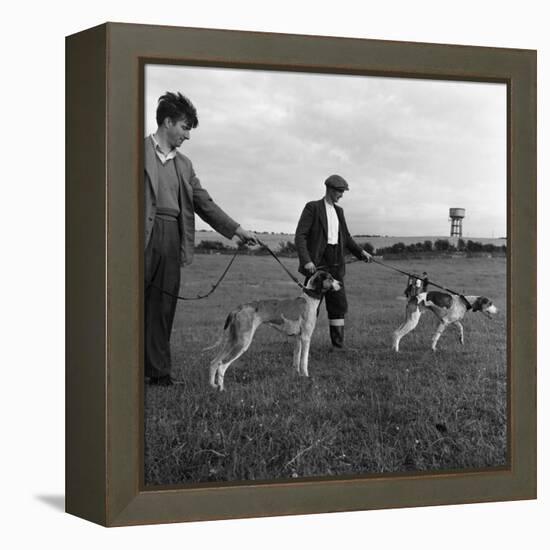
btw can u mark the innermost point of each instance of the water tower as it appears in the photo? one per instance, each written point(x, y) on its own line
point(456, 216)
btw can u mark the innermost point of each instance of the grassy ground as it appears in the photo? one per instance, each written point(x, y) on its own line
point(366, 411)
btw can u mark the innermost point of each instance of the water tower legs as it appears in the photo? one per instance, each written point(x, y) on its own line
point(456, 227)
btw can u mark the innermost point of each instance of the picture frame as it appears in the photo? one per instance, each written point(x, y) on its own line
point(104, 387)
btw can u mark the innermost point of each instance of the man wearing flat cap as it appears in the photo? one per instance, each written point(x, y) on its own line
point(322, 237)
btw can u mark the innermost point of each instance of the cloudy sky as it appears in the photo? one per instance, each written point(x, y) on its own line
point(409, 149)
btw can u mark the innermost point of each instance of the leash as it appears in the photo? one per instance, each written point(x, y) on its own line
point(281, 264)
point(288, 272)
point(413, 275)
point(200, 296)
point(221, 278)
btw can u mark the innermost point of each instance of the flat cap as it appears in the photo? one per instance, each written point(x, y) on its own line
point(337, 182)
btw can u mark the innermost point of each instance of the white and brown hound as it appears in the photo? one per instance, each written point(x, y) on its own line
point(448, 308)
point(295, 317)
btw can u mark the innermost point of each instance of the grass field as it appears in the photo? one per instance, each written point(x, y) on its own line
point(363, 412)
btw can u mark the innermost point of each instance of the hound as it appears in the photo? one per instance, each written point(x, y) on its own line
point(295, 317)
point(448, 308)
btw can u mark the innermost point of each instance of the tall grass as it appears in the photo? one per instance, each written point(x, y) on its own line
point(365, 411)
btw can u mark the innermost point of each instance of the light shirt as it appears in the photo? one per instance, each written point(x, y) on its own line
point(163, 157)
point(332, 223)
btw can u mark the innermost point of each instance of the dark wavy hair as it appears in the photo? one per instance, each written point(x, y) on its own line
point(175, 106)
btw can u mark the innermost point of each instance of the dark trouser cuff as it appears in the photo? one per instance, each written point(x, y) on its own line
point(336, 327)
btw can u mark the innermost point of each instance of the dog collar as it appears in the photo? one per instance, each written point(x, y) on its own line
point(313, 294)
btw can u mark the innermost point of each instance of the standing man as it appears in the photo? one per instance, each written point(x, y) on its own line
point(321, 238)
point(173, 194)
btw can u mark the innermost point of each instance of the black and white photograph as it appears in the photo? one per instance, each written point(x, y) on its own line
point(325, 275)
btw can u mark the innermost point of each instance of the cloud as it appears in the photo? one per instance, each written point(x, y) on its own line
point(410, 149)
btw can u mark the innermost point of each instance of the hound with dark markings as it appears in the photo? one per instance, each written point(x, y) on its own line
point(296, 317)
point(448, 308)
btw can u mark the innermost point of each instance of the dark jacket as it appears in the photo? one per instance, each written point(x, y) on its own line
point(311, 236)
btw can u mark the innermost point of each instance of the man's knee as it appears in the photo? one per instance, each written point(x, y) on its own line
point(336, 303)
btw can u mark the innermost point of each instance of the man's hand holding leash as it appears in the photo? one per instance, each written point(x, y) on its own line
point(367, 257)
point(247, 237)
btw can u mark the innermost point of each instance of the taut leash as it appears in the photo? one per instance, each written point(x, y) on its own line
point(281, 264)
point(413, 275)
point(288, 272)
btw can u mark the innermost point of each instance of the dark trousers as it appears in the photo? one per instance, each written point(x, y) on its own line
point(336, 301)
point(162, 271)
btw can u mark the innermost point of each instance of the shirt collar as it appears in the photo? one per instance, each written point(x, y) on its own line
point(164, 157)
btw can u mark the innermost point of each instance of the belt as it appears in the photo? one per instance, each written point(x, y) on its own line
point(169, 214)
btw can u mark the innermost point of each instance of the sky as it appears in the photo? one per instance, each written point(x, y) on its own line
point(409, 149)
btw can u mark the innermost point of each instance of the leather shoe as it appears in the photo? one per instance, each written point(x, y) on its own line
point(165, 380)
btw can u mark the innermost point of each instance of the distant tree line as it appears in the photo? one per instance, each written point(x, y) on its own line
point(288, 248)
point(285, 248)
point(440, 245)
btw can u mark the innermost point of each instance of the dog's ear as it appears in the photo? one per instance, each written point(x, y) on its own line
point(485, 303)
point(321, 280)
point(480, 303)
point(318, 281)
point(313, 282)
point(328, 279)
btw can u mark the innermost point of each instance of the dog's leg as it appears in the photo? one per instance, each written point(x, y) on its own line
point(242, 344)
point(460, 331)
point(238, 337)
point(297, 353)
point(304, 344)
point(223, 367)
point(440, 329)
point(237, 352)
point(228, 345)
point(411, 320)
point(213, 370)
